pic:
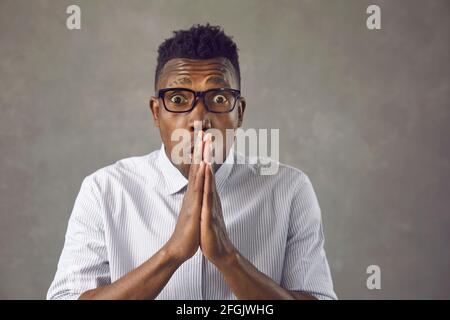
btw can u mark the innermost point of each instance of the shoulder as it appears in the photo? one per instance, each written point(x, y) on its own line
point(136, 168)
point(271, 171)
point(286, 186)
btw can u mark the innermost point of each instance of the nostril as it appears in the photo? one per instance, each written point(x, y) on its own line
point(200, 125)
point(197, 129)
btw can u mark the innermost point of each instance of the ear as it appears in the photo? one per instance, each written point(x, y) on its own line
point(155, 109)
point(241, 110)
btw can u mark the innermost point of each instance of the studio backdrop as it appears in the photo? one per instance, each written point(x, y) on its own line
point(364, 112)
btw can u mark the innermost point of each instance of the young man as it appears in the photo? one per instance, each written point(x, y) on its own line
point(151, 227)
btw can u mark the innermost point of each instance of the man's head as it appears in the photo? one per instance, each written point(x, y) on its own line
point(199, 59)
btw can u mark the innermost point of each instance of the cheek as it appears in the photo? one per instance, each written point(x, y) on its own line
point(170, 122)
point(227, 121)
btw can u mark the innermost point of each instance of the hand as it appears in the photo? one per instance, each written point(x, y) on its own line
point(185, 240)
point(214, 241)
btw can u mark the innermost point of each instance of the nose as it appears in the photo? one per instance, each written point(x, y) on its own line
point(199, 114)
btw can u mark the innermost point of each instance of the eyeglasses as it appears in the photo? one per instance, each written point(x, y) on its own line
point(180, 100)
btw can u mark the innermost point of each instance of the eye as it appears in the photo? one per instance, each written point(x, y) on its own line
point(220, 99)
point(178, 99)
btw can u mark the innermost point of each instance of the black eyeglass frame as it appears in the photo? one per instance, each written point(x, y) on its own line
point(198, 95)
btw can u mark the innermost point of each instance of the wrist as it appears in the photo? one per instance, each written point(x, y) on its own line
point(229, 261)
point(171, 256)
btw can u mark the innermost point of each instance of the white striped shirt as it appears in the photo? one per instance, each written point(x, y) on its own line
point(124, 213)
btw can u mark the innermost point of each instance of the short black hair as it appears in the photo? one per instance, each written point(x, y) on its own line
point(198, 42)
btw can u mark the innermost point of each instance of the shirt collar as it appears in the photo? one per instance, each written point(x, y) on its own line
point(174, 179)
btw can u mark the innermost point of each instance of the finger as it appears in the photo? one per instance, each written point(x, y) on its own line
point(207, 196)
point(209, 167)
point(200, 179)
point(195, 161)
point(213, 178)
point(207, 150)
point(197, 191)
point(198, 148)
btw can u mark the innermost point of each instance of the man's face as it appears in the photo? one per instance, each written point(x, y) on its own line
point(198, 75)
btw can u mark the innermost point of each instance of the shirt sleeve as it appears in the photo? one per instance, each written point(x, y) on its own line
point(306, 267)
point(83, 264)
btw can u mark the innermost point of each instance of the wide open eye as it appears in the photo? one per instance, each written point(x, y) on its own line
point(220, 99)
point(178, 99)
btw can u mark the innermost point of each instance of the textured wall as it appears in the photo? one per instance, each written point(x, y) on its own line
point(364, 113)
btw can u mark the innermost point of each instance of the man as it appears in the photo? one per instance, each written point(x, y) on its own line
point(151, 227)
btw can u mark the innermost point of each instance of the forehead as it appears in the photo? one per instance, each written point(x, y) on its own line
point(195, 72)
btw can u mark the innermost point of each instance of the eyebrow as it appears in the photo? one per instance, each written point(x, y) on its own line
point(217, 80)
point(184, 80)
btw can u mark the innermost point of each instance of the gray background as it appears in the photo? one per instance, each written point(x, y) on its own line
point(364, 113)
